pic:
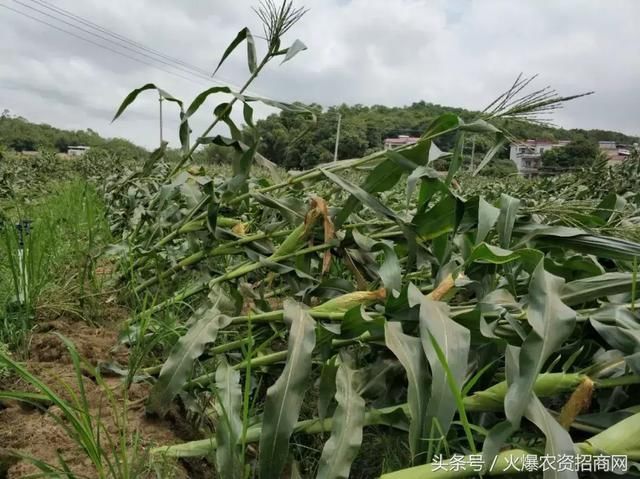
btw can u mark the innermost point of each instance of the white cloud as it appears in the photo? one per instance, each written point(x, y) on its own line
point(458, 53)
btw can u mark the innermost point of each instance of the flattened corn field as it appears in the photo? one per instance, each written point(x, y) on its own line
point(370, 317)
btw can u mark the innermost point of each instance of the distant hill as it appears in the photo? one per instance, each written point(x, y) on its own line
point(364, 128)
point(19, 134)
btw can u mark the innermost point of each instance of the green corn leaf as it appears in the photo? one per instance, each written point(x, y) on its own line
point(551, 322)
point(418, 174)
point(293, 216)
point(589, 289)
point(501, 141)
point(485, 253)
point(622, 339)
point(383, 177)
point(390, 271)
point(408, 350)
point(251, 53)
point(445, 123)
point(442, 218)
point(454, 341)
point(154, 157)
point(244, 34)
point(327, 386)
point(579, 240)
point(386, 174)
point(284, 398)
point(177, 368)
point(558, 439)
point(609, 207)
point(479, 126)
point(601, 246)
point(200, 99)
point(364, 197)
point(342, 447)
point(487, 218)
point(229, 425)
point(130, 98)
point(508, 212)
point(456, 158)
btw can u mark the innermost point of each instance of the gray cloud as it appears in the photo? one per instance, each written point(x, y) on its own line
point(458, 53)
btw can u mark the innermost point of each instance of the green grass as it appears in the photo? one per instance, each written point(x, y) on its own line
point(68, 227)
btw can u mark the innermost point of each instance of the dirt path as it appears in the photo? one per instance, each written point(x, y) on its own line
point(30, 430)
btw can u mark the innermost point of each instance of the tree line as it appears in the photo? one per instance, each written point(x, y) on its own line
point(294, 140)
point(19, 134)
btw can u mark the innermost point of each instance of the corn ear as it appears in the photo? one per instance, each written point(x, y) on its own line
point(550, 384)
point(578, 402)
point(320, 205)
point(621, 439)
point(344, 303)
point(291, 242)
point(297, 237)
point(199, 225)
point(240, 229)
point(446, 285)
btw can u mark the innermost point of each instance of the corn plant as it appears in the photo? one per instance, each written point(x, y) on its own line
point(308, 295)
point(291, 312)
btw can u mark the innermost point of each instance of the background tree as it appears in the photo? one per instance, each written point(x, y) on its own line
point(18, 134)
point(293, 141)
point(577, 153)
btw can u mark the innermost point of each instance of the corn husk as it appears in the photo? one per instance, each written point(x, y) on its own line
point(621, 439)
point(344, 303)
point(292, 242)
point(550, 384)
point(320, 205)
point(444, 287)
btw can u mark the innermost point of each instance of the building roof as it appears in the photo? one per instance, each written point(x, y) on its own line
point(401, 140)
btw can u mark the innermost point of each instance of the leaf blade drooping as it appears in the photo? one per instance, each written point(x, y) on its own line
point(177, 368)
point(342, 447)
point(284, 398)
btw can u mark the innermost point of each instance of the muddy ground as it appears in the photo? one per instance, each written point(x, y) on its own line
point(40, 432)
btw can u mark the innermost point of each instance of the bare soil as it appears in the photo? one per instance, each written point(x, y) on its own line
point(39, 431)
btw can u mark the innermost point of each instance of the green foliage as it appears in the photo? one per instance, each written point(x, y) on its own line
point(53, 270)
point(299, 310)
point(19, 134)
point(578, 153)
point(293, 141)
point(495, 322)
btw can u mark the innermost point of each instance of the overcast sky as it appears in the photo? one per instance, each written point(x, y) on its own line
point(392, 52)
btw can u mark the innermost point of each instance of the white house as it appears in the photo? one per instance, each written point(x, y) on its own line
point(615, 153)
point(527, 155)
point(78, 150)
point(401, 140)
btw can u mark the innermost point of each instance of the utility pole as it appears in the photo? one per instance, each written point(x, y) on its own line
point(335, 151)
point(160, 101)
point(473, 152)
